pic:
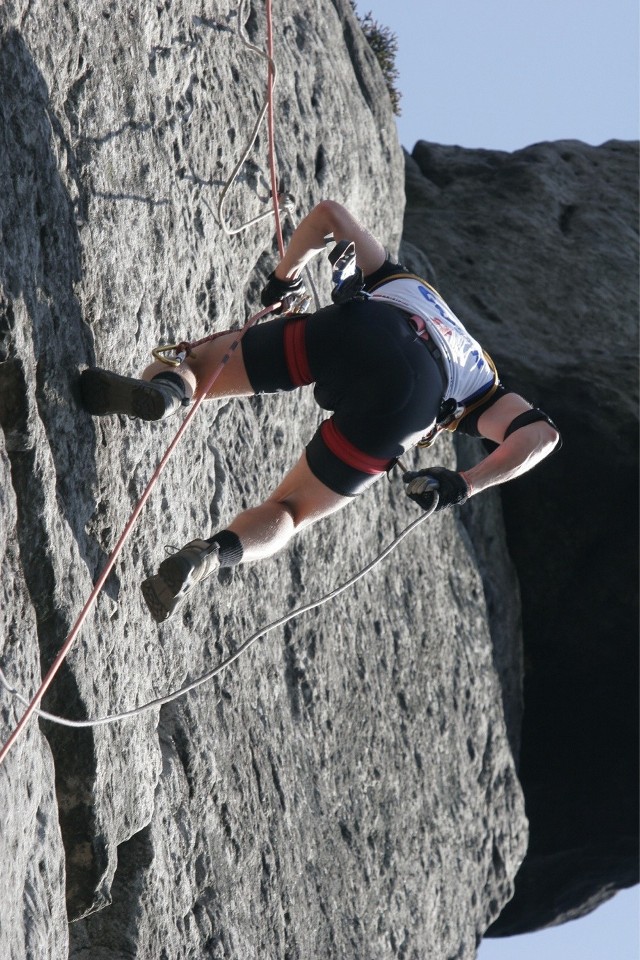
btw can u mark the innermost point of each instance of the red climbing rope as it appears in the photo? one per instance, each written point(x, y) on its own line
point(66, 647)
point(275, 193)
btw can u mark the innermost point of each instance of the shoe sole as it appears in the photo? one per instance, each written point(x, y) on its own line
point(162, 603)
point(165, 591)
point(162, 592)
point(104, 392)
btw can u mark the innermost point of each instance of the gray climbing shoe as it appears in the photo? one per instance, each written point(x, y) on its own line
point(177, 576)
point(104, 392)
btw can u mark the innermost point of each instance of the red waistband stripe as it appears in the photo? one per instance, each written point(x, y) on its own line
point(344, 450)
point(295, 352)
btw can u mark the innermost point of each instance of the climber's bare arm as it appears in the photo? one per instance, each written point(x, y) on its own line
point(329, 219)
point(521, 451)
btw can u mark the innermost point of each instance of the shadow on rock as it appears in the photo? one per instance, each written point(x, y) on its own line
point(43, 341)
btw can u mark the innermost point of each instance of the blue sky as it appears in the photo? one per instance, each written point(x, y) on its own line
point(503, 74)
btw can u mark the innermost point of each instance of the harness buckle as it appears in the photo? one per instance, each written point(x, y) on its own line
point(450, 410)
point(450, 413)
point(429, 438)
point(295, 303)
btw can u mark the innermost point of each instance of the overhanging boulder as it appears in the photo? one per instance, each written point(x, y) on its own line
point(538, 252)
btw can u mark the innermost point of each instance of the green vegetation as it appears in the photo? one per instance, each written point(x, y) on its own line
point(384, 44)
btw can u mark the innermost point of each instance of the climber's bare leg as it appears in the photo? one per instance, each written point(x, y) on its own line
point(197, 369)
point(299, 501)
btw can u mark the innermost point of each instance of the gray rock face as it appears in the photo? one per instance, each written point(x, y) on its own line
point(347, 788)
point(538, 252)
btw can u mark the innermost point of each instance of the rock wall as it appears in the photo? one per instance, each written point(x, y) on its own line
point(347, 788)
point(538, 251)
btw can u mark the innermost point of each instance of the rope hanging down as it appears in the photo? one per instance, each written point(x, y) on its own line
point(206, 677)
point(66, 647)
point(32, 705)
point(267, 108)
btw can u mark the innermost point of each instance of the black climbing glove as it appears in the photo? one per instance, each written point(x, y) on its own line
point(452, 488)
point(277, 289)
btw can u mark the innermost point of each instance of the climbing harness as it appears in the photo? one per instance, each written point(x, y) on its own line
point(452, 412)
point(216, 671)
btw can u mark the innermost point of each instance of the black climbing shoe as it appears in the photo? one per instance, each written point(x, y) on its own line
point(177, 576)
point(104, 392)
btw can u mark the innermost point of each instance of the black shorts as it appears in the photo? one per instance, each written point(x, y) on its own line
point(369, 367)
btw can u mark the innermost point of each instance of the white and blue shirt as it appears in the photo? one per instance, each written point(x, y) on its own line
point(469, 373)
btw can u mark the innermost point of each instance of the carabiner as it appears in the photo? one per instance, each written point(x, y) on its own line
point(160, 353)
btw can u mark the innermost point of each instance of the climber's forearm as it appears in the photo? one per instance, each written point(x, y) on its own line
point(518, 454)
point(328, 220)
point(308, 240)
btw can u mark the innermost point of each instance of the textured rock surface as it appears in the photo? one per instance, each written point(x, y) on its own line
point(32, 862)
point(347, 789)
point(538, 250)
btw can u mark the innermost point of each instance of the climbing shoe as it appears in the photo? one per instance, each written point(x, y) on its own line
point(177, 576)
point(104, 392)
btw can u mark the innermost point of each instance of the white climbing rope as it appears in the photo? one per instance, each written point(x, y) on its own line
point(274, 211)
point(210, 674)
point(283, 204)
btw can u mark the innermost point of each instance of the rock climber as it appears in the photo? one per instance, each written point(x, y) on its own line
point(392, 364)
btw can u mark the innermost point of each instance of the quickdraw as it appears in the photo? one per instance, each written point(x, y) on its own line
point(346, 276)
